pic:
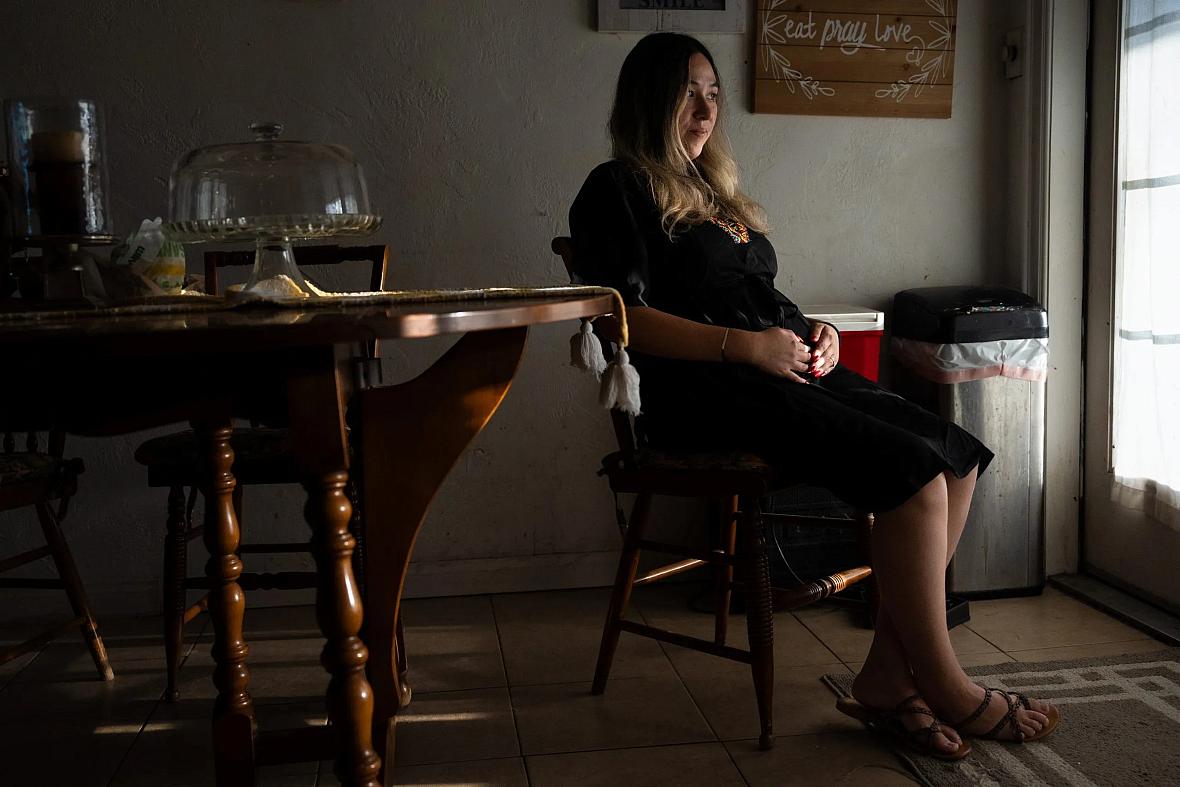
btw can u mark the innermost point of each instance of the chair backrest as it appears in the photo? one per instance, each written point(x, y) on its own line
point(54, 445)
point(377, 256)
point(624, 427)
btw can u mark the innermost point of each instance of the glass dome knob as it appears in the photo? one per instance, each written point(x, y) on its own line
point(266, 131)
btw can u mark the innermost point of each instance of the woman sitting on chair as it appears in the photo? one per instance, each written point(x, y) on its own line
point(728, 362)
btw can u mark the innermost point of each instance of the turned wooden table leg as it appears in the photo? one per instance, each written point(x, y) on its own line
point(399, 686)
point(315, 402)
point(233, 712)
point(338, 610)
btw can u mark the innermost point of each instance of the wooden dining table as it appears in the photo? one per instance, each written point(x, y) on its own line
point(114, 371)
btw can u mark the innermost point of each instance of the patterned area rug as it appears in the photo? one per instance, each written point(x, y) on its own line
point(1120, 725)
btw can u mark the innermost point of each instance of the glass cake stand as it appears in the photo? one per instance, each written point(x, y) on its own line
point(270, 192)
point(275, 272)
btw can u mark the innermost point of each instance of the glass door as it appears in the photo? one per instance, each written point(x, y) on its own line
point(1131, 533)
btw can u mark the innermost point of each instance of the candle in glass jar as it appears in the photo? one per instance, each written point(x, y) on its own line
point(58, 168)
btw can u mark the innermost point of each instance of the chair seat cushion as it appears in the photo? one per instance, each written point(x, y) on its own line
point(24, 466)
point(689, 474)
point(28, 478)
point(261, 456)
point(728, 461)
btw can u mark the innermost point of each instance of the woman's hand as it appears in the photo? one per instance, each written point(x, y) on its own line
point(826, 353)
point(775, 351)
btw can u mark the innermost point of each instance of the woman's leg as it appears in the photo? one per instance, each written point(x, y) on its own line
point(886, 677)
point(910, 546)
point(958, 499)
point(886, 663)
point(885, 680)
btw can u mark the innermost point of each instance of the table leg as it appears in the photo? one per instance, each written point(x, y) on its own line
point(338, 608)
point(315, 404)
point(233, 712)
point(411, 435)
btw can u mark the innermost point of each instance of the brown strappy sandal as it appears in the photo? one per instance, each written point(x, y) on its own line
point(889, 722)
point(1015, 701)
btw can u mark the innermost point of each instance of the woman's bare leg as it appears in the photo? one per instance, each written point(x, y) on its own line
point(910, 547)
point(887, 656)
point(887, 677)
point(958, 503)
point(958, 499)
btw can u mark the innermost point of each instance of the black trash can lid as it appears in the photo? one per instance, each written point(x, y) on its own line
point(967, 314)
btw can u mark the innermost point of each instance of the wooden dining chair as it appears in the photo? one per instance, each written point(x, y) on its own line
point(261, 456)
point(41, 477)
point(739, 482)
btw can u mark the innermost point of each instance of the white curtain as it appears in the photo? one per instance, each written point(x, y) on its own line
point(1146, 398)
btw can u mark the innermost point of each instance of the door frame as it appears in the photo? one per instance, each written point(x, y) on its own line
point(1058, 35)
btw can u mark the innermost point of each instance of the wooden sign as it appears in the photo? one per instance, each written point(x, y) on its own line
point(877, 58)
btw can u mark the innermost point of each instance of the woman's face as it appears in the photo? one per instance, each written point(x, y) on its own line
point(700, 108)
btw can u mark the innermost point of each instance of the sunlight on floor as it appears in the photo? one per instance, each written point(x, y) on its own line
point(502, 695)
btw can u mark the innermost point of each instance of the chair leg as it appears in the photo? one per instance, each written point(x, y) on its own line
point(76, 593)
point(865, 549)
point(759, 615)
point(723, 587)
point(175, 570)
point(400, 644)
point(401, 683)
point(621, 595)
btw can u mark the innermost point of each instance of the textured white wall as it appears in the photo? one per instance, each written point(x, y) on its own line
point(476, 123)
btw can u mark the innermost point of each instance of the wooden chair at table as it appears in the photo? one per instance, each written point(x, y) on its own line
point(261, 456)
point(739, 481)
point(40, 478)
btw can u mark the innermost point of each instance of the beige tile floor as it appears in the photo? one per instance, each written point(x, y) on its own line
point(502, 696)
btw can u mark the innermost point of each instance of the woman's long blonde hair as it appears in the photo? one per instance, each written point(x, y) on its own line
point(645, 133)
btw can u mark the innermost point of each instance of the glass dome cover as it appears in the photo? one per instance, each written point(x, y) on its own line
point(269, 188)
point(269, 191)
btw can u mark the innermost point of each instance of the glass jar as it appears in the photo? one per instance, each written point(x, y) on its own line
point(58, 170)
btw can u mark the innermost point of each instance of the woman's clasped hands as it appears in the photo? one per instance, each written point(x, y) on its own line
point(783, 353)
point(825, 341)
point(776, 351)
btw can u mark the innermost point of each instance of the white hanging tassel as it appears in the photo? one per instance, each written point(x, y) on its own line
point(586, 351)
point(620, 385)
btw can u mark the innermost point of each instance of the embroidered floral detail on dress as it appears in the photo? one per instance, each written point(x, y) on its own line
point(735, 229)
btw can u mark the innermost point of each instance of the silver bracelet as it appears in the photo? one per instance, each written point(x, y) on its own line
point(724, 339)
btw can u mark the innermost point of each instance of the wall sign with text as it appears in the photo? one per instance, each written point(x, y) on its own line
point(878, 58)
point(686, 16)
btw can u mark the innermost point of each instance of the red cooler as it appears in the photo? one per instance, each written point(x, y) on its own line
point(860, 334)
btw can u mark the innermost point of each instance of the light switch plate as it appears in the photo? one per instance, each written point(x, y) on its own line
point(1013, 53)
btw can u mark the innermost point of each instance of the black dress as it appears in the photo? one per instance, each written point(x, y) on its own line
point(870, 447)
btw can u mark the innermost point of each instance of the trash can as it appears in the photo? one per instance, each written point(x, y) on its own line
point(978, 356)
